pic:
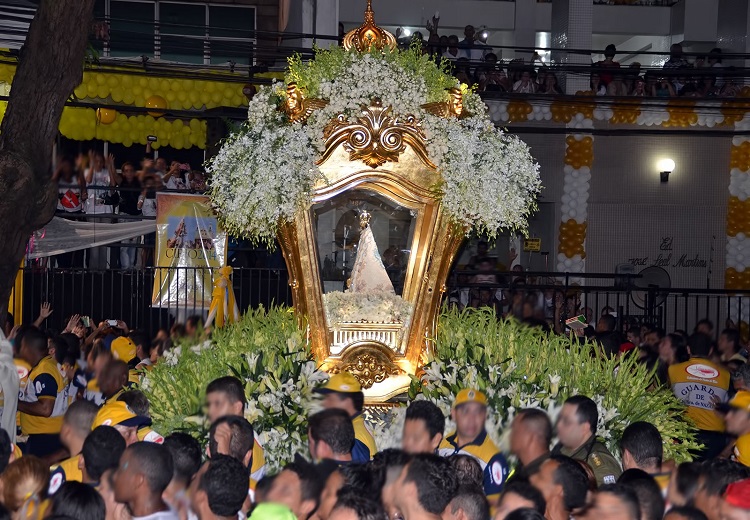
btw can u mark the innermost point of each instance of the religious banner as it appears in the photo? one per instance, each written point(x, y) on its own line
point(189, 246)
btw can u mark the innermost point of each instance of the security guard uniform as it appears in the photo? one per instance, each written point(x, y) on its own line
point(346, 384)
point(495, 467)
point(67, 471)
point(597, 456)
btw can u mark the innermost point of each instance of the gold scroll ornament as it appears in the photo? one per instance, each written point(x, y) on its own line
point(377, 136)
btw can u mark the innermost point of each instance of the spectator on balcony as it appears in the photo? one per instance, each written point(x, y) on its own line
point(147, 205)
point(634, 70)
point(676, 59)
point(198, 181)
point(160, 166)
point(452, 52)
point(525, 85)
point(130, 189)
point(497, 80)
point(729, 88)
point(607, 64)
point(617, 86)
point(100, 199)
point(176, 177)
point(714, 58)
point(433, 46)
point(707, 86)
point(662, 88)
point(550, 85)
point(597, 85)
point(463, 71)
point(469, 47)
point(70, 200)
point(639, 87)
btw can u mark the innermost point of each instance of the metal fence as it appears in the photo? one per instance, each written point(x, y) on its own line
point(668, 308)
point(127, 295)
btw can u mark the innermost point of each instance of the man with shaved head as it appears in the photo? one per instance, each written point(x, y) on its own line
point(530, 439)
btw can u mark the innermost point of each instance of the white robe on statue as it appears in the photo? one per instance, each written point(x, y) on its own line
point(368, 273)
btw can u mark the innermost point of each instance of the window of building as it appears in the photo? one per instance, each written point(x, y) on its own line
point(197, 33)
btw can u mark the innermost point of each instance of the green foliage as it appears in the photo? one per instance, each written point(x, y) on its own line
point(265, 349)
point(517, 366)
point(330, 63)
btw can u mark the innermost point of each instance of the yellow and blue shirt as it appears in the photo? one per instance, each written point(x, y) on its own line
point(258, 466)
point(490, 458)
point(67, 470)
point(700, 384)
point(45, 382)
point(92, 393)
point(364, 443)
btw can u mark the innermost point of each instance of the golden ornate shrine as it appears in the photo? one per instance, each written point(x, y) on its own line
point(377, 165)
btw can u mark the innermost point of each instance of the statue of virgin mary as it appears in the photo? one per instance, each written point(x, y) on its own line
point(368, 273)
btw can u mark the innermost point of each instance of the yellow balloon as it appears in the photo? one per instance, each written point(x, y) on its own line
point(156, 102)
point(106, 116)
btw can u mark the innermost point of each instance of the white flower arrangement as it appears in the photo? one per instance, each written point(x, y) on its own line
point(265, 173)
point(369, 307)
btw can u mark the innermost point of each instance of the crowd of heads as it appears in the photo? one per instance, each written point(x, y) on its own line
point(89, 449)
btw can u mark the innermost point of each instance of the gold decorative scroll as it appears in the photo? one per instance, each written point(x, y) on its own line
point(377, 137)
point(298, 108)
point(454, 107)
point(369, 35)
point(368, 364)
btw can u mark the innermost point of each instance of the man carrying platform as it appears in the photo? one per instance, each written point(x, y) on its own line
point(470, 438)
point(344, 392)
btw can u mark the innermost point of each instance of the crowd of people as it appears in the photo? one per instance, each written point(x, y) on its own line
point(478, 64)
point(93, 185)
point(83, 447)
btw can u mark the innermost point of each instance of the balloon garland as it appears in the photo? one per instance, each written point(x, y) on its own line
point(737, 275)
point(117, 89)
point(579, 156)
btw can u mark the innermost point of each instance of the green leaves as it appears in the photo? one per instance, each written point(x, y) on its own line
point(517, 365)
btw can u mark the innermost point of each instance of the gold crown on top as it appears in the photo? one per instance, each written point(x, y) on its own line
point(369, 35)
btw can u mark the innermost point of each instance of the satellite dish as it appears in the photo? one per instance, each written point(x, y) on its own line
point(651, 280)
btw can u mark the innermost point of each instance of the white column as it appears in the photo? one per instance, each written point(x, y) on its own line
point(571, 29)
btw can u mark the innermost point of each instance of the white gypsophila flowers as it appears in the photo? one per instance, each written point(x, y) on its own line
point(265, 173)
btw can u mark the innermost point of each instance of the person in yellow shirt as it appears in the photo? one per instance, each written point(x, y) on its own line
point(344, 392)
point(470, 438)
point(123, 349)
point(76, 427)
point(226, 396)
point(96, 361)
point(138, 403)
point(119, 415)
point(737, 418)
point(44, 400)
point(701, 384)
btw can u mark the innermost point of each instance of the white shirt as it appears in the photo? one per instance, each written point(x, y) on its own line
point(176, 182)
point(149, 207)
point(95, 202)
